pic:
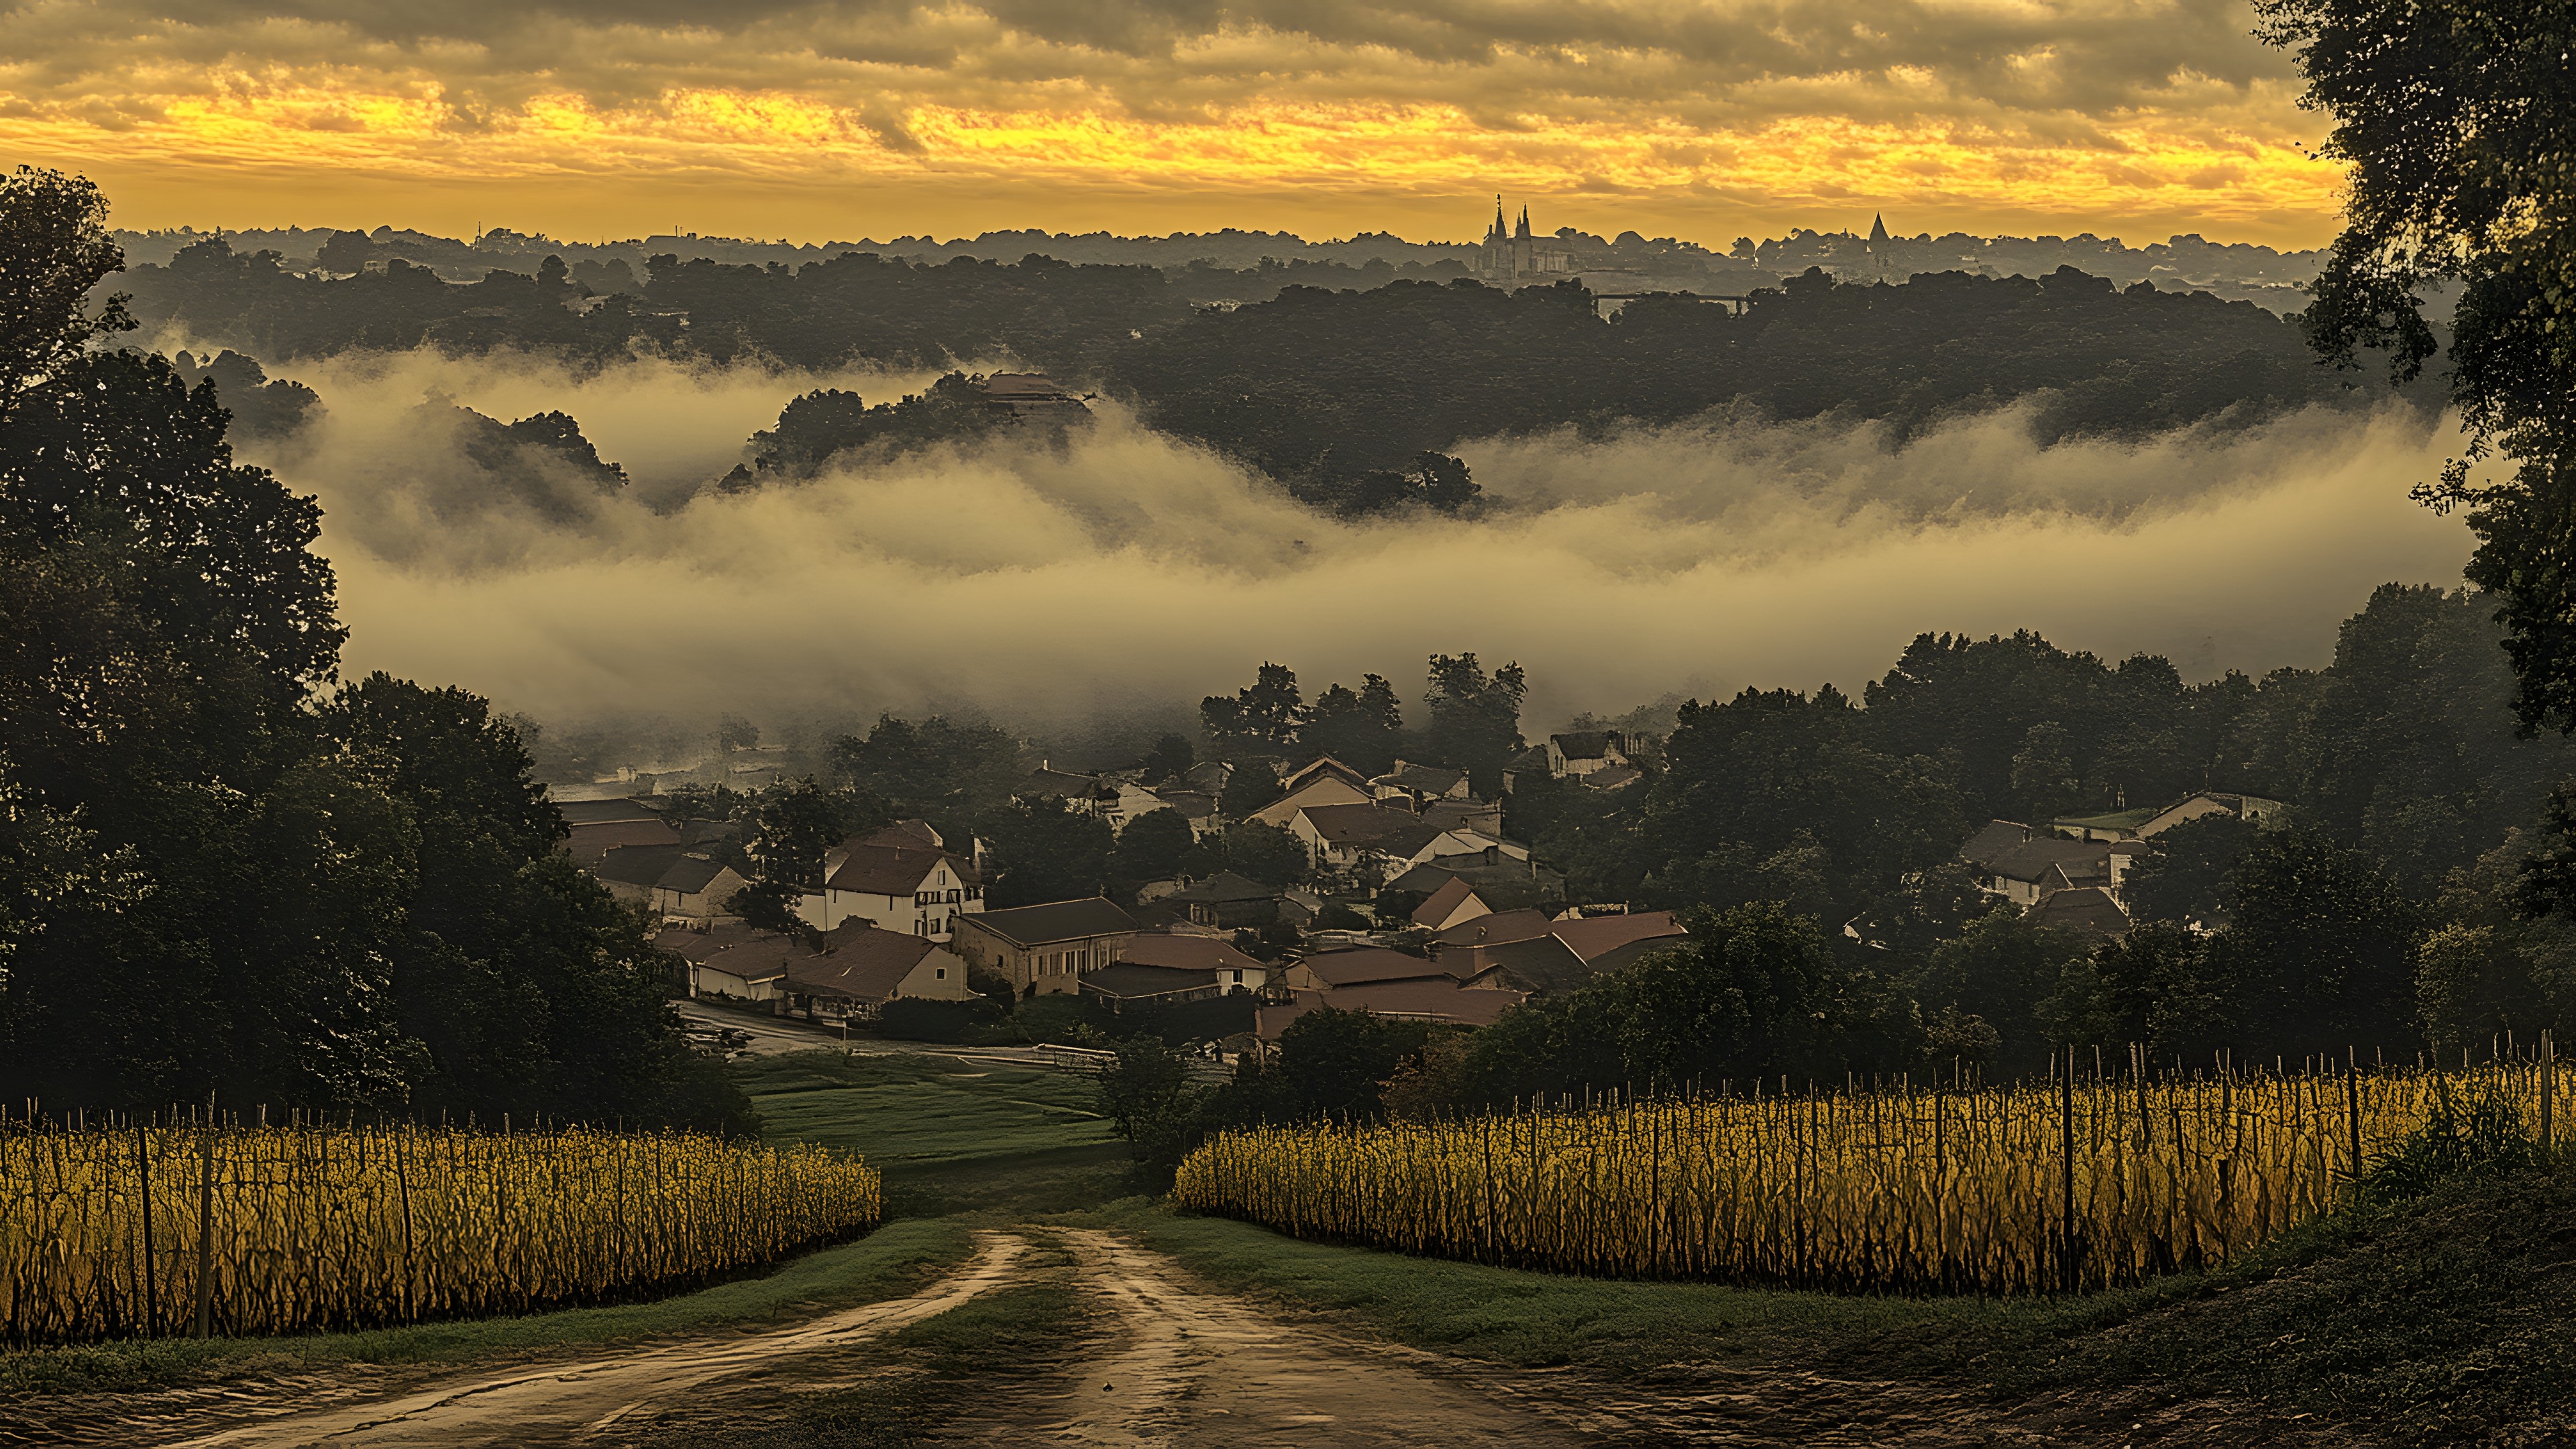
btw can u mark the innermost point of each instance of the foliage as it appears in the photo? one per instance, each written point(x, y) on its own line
point(1265, 854)
point(2453, 118)
point(1152, 847)
point(1045, 851)
point(1329, 1063)
point(1146, 1091)
point(1263, 713)
point(54, 248)
point(2482, 1134)
point(1362, 728)
point(768, 905)
point(1475, 718)
point(828, 428)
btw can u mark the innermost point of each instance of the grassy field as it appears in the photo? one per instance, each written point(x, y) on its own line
point(989, 1138)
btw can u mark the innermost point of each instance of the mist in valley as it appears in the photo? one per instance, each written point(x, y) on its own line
point(1122, 574)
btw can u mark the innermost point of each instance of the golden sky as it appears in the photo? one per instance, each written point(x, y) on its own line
point(1706, 119)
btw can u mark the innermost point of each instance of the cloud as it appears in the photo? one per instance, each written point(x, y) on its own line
point(1126, 570)
point(1572, 96)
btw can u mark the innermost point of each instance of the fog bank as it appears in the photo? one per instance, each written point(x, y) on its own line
point(1126, 571)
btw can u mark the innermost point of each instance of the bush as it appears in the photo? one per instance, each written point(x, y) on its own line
point(966, 1023)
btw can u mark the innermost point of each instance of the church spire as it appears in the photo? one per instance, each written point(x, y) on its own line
point(1878, 227)
point(1523, 233)
point(1499, 231)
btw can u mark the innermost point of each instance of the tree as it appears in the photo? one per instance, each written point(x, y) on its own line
point(1476, 717)
point(2321, 950)
point(768, 905)
point(54, 248)
point(2005, 971)
point(1152, 846)
point(1044, 851)
point(1249, 785)
point(1362, 728)
point(1265, 853)
point(1146, 1093)
point(2453, 116)
point(2187, 879)
point(798, 824)
point(1262, 714)
point(1170, 758)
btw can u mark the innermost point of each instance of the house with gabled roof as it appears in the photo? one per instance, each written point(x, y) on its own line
point(1578, 753)
point(1044, 949)
point(851, 973)
point(1415, 785)
point(1315, 786)
point(600, 826)
point(901, 878)
point(1449, 905)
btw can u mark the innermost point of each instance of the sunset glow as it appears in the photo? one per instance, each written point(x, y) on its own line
point(1699, 120)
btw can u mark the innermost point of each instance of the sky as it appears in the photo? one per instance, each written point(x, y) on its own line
point(1704, 119)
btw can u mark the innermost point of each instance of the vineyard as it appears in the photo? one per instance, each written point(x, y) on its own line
point(144, 1229)
point(2084, 1181)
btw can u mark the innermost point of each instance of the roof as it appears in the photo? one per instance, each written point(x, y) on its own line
point(692, 944)
point(2113, 820)
point(1323, 765)
point(1224, 887)
point(1495, 929)
point(1611, 777)
point(1536, 963)
point(2085, 908)
point(2033, 859)
point(1191, 804)
point(636, 865)
point(1585, 744)
point(1045, 781)
point(1595, 936)
point(1378, 827)
point(1054, 921)
point(887, 870)
point(757, 956)
point(859, 961)
point(590, 842)
point(1128, 981)
point(604, 812)
point(1425, 877)
point(1371, 963)
point(1429, 779)
point(1470, 814)
point(1443, 903)
point(690, 874)
point(1439, 999)
point(1187, 953)
point(903, 832)
point(1992, 840)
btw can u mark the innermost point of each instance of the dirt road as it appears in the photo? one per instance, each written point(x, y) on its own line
point(570, 1400)
point(1183, 1368)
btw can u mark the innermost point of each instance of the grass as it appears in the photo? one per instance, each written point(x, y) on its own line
point(950, 1136)
point(889, 1263)
point(2433, 1321)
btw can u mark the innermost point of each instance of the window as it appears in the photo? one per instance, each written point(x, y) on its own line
point(941, 973)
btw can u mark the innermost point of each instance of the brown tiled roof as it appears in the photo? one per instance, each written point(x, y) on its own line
point(861, 962)
point(1370, 963)
point(1594, 936)
point(887, 870)
point(1026, 926)
point(1495, 929)
point(1189, 953)
point(1440, 903)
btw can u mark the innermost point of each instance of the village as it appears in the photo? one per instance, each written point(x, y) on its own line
point(1411, 903)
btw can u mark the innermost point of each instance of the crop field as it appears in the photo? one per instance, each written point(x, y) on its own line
point(2077, 1183)
point(152, 1230)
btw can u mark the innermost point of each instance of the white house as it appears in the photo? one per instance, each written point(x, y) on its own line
point(901, 879)
point(1580, 752)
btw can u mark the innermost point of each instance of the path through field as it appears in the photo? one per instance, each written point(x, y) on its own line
point(568, 1401)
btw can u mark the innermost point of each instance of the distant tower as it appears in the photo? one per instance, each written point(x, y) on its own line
point(1878, 227)
point(1877, 247)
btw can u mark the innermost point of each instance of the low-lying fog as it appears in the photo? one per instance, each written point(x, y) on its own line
point(1126, 571)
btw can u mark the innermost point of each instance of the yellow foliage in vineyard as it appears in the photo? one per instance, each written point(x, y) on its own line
point(103, 1231)
point(2080, 1184)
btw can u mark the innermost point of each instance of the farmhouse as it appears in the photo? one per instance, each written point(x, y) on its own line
point(901, 878)
point(1045, 949)
point(860, 968)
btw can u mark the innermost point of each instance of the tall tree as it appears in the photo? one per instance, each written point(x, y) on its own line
point(1476, 717)
point(2453, 117)
point(1261, 715)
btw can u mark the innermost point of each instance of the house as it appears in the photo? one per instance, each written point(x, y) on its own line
point(732, 959)
point(1581, 752)
point(1439, 1000)
point(1482, 816)
point(2083, 908)
point(1232, 969)
point(901, 878)
point(1502, 884)
point(630, 871)
point(1449, 905)
point(2026, 872)
point(1322, 781)
point(1358, 966)
point(1045, 949)
point(1227, 901)
point(1088, 793)
point(1198, 807)
point(1607, 943)
point(698, 887)
point(1030, 395)
point(1414, 786)
point(600, 826)
point(2149, 822)
point(853, 972)
point(1374, 843)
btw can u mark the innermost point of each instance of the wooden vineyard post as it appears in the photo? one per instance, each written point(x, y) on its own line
point(206, 1219)
point(151, 1279)
point(402, 1177)
point(2072, 1265)
point(2548, 1086)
